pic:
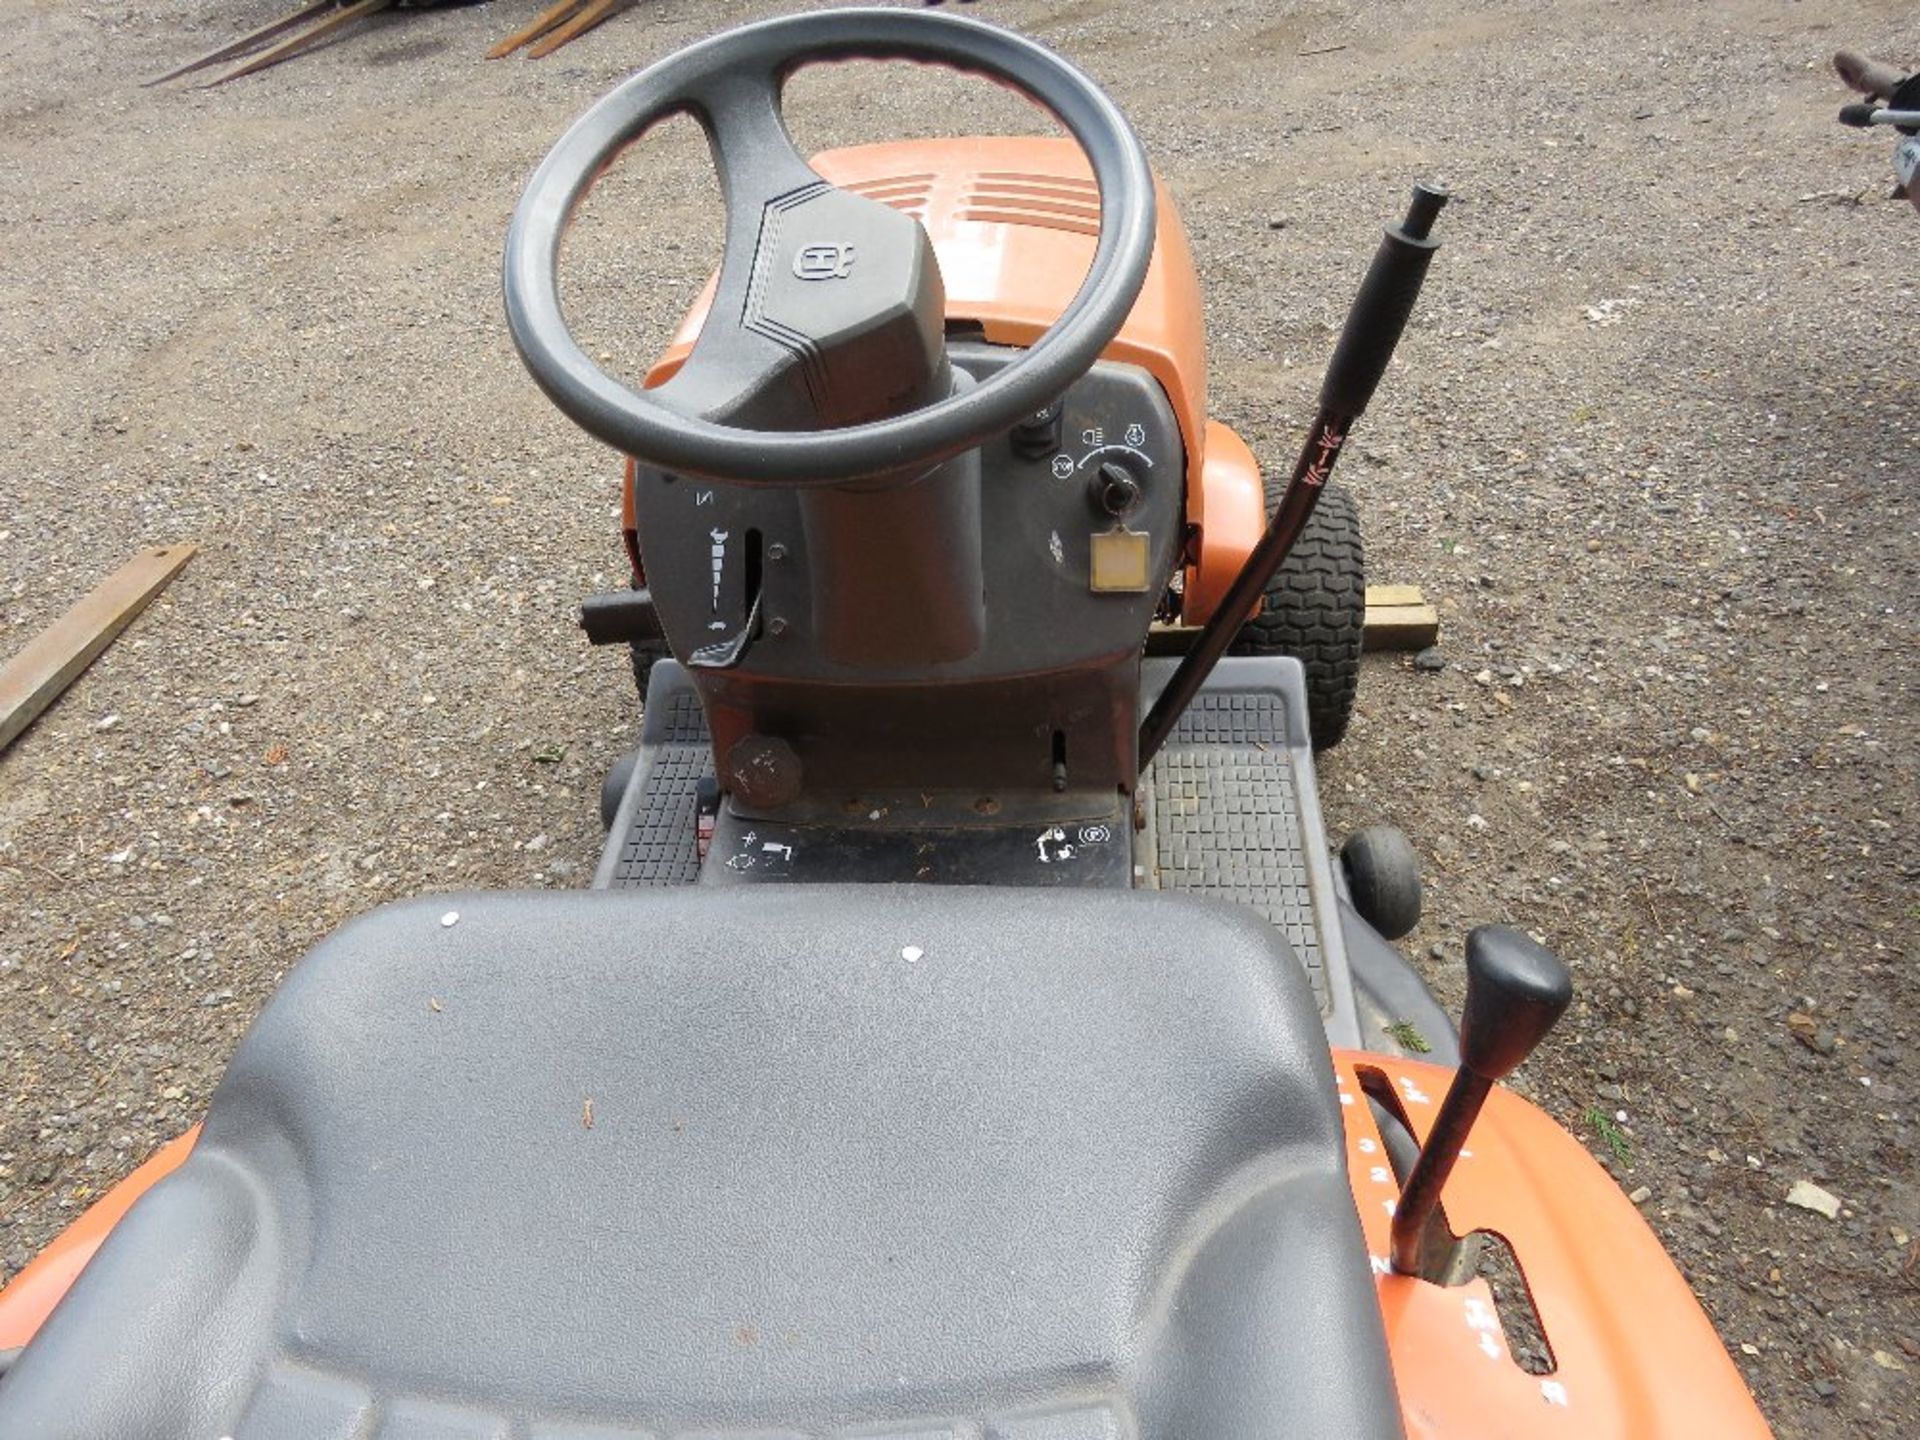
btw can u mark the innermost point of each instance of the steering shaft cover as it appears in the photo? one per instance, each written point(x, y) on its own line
point(723, 83)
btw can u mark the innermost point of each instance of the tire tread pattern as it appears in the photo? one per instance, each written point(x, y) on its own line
point(1316, 610)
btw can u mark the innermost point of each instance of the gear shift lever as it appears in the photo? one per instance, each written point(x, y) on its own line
point(1516, 990)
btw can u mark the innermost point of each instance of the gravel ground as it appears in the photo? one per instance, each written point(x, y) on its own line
point(1652, 451)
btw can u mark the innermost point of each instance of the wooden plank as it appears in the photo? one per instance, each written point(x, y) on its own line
point(33, 679)
point(590, 15)
point(542, 23)
point(1387, 595)
point(246, 42)
point(1398, 618)
point(305, 40)
point(1401, 627)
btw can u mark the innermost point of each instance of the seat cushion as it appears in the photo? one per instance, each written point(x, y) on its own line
point(765, 1162)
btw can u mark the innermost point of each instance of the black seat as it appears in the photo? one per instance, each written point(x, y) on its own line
point(823, 1161)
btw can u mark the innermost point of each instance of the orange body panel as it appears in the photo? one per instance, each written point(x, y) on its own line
point(1013, 220)
point(1635, 1357)
point(1228, 506)
point(31, 1295)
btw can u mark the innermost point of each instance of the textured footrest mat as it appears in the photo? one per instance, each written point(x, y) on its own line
point(661, 846)
point(1226, 817)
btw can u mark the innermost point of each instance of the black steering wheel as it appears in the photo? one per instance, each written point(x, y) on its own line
point(731, 84)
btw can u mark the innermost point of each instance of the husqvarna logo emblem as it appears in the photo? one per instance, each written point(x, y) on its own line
point(823, 262)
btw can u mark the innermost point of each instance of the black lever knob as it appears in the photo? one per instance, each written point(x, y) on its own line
point(1038, 436)
point(1383, 306)
point(1516, 990)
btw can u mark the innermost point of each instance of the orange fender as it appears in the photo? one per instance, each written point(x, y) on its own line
point(1635, 1357)
point(1227, 505)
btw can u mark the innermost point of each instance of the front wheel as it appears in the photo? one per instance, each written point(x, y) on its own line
point(1383, 879)
point(1315, 609)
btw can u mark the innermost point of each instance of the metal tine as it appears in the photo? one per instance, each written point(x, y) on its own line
point(591, 15)
point(542, 23)
point(245, 42)
point(292, 46)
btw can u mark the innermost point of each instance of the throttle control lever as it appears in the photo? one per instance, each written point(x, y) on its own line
point(1367, 342)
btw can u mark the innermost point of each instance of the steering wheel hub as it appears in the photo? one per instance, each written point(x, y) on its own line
point(841, 322)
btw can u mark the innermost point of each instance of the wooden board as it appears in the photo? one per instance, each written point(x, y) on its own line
point(1387, 596)
point(1400, 627)
point(1399, 618)
point(33, 679)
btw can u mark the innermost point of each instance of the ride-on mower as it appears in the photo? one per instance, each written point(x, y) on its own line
point(969, 1033)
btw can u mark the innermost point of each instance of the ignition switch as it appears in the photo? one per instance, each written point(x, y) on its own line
point(1115, 490)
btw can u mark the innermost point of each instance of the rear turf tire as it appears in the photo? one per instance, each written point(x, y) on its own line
point(1316, 610)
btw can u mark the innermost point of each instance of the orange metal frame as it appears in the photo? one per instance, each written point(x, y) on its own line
point(1013, 221)
point(1635, 1358)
